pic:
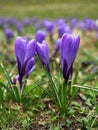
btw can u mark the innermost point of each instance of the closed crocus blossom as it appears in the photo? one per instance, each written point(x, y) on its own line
point(24, 52)
point(43, 54)
point(73, 23)
point(26, 22)
point(49, 25)
point(68, 50)
point(63, 29)
point(34, 20)
point(19, 27)
point(9, 33)
point(40, 35)
point(57, 47)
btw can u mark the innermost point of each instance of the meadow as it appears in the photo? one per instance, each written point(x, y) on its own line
point(48, 65)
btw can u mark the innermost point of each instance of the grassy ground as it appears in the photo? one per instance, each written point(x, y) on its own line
point(51, 10)
point(38, 2)
point(38, 111)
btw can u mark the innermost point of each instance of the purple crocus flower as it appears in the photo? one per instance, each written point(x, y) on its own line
point(34, 20)
point(11, 20)
point(95, 69)
point(68, 50)
point(5, 26)
point(57, 47)
point(37, 26)
point(9, 34)
point(19, 27)
point(40, 36)
point(24, 52)
point(2, 21)
point(26, 22)
point(63, 28)
point(43, 54)
point(73, 23)
point(61, 21)
point(49, 26)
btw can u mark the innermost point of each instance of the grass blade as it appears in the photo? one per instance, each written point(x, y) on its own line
point(6, 74)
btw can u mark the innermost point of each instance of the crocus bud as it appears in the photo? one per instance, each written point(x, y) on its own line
point(68, 50)
point(40, 36)
point(63, 29)
point(43, 54)
point(57, 47)
point(24, 52)
point(9, 34)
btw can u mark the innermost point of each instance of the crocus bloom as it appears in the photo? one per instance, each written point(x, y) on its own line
point(37, 26)
point(8, 33)
point(11, 20)
point(63, 29)
point(95, 69)
point(49, 25)
point(34, 20)
point(43, 54)
point(61, 21)
point(2, 21)
point(57, 47)
point(19, 27)
point(26, 22)
point(73, 23)
point(68, 50)
point(24, 52)
point(40, 35)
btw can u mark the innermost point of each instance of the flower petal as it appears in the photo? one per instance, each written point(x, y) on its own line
point(20, 49)
point(57, 47)
point(29, 67)
point(43, 53)
point(76, 44)
point(30, 50)
point(67, 48)
point(40, 35)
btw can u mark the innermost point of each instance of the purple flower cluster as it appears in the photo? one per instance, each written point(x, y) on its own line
point(25, 51)
point(61, 26)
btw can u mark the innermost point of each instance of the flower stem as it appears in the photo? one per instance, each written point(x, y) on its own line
point(64, 98)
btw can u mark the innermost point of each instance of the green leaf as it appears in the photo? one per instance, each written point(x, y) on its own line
point(23, 87)
point(16, 93)
point(86, 87)
point(88, 78)
point(45, 90)
point(6, 74)
point(32, 86)
point(54, 89)
point(5, 87)
point(95, 101)
point(64, 98)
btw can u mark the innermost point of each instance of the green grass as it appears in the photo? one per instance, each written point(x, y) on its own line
point(43, 2)
point(55, 10)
